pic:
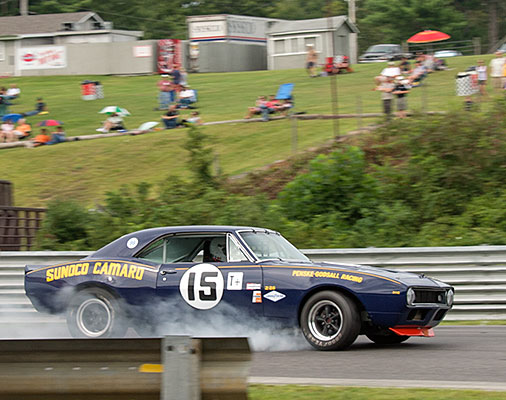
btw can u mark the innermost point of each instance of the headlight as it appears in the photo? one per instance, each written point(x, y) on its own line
point(449, 297)
point(410, 296)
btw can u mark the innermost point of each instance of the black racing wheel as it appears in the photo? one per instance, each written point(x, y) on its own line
point(330, 321)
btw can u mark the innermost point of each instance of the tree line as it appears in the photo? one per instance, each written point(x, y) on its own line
point(379, 21)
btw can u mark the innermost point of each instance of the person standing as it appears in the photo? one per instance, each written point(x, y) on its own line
point(401, 90)
point(165, 88)
point(386, 87)
point(312, 58)
point(496, 66)
point(481, 69)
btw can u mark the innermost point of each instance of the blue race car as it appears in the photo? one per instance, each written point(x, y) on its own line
point(244, 272)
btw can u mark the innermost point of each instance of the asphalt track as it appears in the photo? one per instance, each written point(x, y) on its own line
point(461, 357)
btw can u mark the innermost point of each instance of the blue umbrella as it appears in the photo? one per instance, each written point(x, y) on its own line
point(12, 117)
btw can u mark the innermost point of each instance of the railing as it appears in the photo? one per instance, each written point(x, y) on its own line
point(18, 227)
point(169, 368)
point(478, 274)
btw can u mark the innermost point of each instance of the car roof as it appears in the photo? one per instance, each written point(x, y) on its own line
point(124, 247)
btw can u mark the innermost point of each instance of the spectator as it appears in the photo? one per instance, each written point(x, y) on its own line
point(311, 59)
point(391, 70)
point(41, 139)
point(184, 77)
point(269, 107)
point(257, 109)
point(405, 66)
point(419, 73)
point(386, 88)
point(166, 95)
point(22, 130)
point(4, 103)
point(58, 136)
point(13, 92)
point(285, 107)
point(7, 131)
point(169, 119)
point(186, 97)
point(193, 119)
point(481, 69)
point(401, 90)
point(496, 66)
point(40, 108)
point(176, 76)
point(113, 123)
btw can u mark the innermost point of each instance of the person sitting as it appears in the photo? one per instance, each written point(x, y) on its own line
point(343, 65)
point(13, 92)
point(22, 130)
point(187, 97)
point(405, 66)
point(113, 123)
point(58, 136)
point(41, 139)
point(285, 107)
point(6, 131)
point(169, 119)
point(419, 73)
point(193, 119)
point(4, 104)
point(257, 109)
point(40, 109)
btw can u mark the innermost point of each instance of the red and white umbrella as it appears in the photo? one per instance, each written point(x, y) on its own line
point(428, 37)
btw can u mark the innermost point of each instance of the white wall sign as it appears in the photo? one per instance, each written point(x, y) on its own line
point(207, 29)
point(142, 51)
point(41, 57)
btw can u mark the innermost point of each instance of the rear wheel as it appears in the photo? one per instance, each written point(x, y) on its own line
point(330, 321)
point(387, 337)
point(94, 313)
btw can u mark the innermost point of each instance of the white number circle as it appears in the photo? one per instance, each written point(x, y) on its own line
point(202, 286)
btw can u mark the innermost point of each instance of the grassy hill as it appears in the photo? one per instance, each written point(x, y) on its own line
point(84, 170)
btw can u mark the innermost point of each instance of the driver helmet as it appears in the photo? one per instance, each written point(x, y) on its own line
point(218, 250)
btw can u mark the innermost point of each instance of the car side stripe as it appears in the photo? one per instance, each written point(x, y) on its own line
point(91, 261)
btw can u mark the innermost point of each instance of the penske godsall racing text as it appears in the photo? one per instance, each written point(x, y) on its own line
point(327, 274)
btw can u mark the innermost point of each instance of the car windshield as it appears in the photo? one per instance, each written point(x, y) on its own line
point(379, 48)
point(271, 245)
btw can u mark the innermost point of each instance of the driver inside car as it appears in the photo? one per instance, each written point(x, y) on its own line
point(218, 250)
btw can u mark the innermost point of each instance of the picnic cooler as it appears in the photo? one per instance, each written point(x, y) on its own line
point(466, 83)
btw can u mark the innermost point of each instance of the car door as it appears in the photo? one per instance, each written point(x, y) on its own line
point(207, 271)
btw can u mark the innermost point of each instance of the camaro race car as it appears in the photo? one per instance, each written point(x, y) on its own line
point(244, 273)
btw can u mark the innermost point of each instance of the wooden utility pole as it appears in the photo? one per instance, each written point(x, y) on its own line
point(23, 7)
point(353, 36)
point(332, 77)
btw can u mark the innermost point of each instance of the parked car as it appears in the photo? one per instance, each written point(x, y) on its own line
point(502, 48)
point(383, 52)
point(447, 53)
point(237, 274)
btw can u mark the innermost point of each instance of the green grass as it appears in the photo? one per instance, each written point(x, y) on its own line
point(293, 392)
point(85, 170)
point(480, 322)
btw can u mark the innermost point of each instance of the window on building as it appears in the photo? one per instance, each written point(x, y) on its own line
point(295, 45)
point(2, 51)
point(279, 46)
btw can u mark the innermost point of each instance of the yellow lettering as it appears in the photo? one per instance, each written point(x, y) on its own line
point(63, 272)
point(56, 274)
point(131, 272)
point(138, 275)
point(73, 269)
point(84, 269)
point(95, 268)
point(104, 268)
point(115, 269)
point(49, 275)
point(352, 278)
point(124, 271)
point(308, 274)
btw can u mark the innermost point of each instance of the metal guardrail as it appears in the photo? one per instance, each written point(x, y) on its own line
point(478, 274)
point(169, 368)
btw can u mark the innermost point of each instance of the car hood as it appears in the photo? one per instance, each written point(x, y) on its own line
point(406, 278)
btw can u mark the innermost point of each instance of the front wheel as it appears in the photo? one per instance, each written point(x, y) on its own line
point(330, 321)
point(95, 313)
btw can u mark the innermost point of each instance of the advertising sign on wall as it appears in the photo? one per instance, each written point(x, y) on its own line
point(41, 57)
point(169, 54)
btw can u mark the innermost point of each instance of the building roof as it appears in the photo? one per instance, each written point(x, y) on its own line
point(42, 23)
point(309, 25)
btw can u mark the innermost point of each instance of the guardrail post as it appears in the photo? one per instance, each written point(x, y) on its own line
point(181, 374)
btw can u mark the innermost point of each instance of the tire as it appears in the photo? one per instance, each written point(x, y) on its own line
point(95, 313)
point(330, 321)
point(386, 337)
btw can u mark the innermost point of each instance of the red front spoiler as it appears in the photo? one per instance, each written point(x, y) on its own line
point(413, 331)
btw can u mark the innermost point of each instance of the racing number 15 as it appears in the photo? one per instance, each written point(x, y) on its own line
point(204, 285)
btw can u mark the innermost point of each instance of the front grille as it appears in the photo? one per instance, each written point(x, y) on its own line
point(430, 296)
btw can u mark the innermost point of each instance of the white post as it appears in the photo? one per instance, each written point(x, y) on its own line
point(353, 36)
